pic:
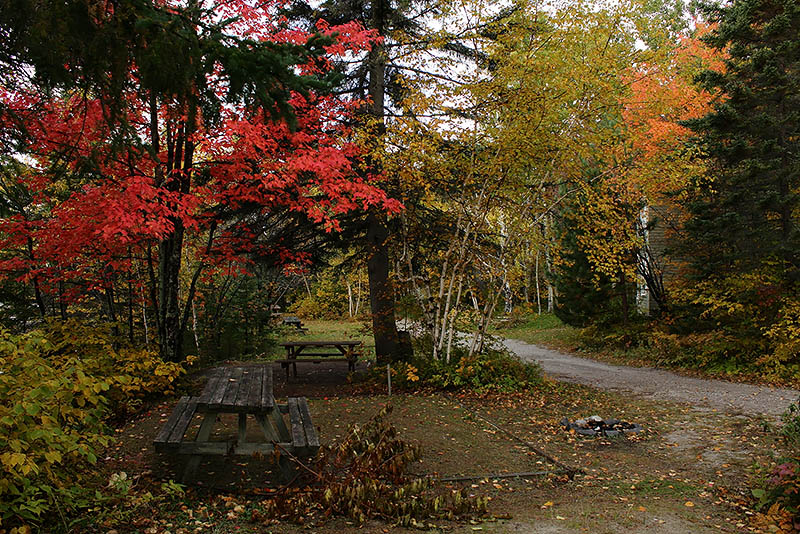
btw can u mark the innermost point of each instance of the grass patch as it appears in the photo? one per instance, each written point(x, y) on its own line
point(321, 330)
point(544, 329)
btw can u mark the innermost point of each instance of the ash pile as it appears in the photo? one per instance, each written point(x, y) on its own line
point(597, 426)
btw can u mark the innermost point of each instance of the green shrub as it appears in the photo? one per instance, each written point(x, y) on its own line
point(328, 299)
point(493, 370)
point(790, 431)
point(132, 374)
point(57, 387)
point(50, 423)
point(779, 494)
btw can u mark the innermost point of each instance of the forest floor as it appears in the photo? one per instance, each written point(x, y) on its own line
point(689, 471)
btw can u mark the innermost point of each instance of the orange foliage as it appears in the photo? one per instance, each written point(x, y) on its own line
point(662, 94)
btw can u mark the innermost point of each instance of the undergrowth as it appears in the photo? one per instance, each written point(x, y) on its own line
point(364, 477)
point(58, 387)
point(494, 369)
point(360, 478)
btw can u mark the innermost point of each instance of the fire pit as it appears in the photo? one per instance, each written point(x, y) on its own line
point(597, 426)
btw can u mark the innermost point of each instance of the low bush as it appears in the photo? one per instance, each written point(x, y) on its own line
point(58, 386)
point(364, 477)
point(790, 430)
point(778, 488)
point(779, 497)
point(495, 369)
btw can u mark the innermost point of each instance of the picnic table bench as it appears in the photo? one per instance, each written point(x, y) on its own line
point(246, 392)
point(296, 322)
point(319, 351)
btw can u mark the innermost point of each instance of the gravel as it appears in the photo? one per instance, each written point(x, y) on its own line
point(658, 384)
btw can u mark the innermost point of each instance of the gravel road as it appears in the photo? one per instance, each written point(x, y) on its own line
point(658, 384)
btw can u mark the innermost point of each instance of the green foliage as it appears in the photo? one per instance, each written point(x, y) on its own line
point(779, 491)
point(50, 424)
point(173, 51)
point(790, 431)
point(364, 477)
point(742, 236)
point(586, 294)
point(131, 374)
point(745, 322)
point(493, 370)
point(744, 215)
point(328, 300)
point(327, 295)
point(57, 386)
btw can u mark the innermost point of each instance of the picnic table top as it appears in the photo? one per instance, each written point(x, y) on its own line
point(345, 343)
point(238, 390)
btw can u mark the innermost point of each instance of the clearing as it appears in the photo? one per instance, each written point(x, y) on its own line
point(686, 473)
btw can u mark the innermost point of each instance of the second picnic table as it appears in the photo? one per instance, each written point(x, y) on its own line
point(319, 351)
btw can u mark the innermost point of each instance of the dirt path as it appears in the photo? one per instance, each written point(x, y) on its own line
point(658, 384)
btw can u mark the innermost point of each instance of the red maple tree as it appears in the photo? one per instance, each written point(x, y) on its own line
point(198, 165)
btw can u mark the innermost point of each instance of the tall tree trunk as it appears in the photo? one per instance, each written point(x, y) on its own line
point(37, 292)
point(170, 338)
point(170, 249)
point(130, 299)
point(381, 297)
point(62, 302)
point(384, 326)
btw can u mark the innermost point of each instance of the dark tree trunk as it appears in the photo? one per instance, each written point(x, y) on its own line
point(170, 336)
point(130, 300)
point(381, 292)
point(37, 292)
point(171, 326)
point(62, 303)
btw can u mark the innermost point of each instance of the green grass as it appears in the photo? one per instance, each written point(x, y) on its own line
point(546, 329)
point(326, 330)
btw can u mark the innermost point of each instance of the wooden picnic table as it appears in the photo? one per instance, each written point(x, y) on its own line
point(291, 320)
point(246, 392)
point(319, 351)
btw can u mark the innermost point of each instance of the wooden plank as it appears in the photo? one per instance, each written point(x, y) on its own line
point(232, 388)
point(209, 419)
point(242, 436)
point(318, 343)
point(267, 398)
point(298, 435)
point(210, 387)
point(221, 387)
point(177, 411)
point(243, 391)
point(206, 426)
point(280, 424)
point(254, 391)
point(225, 448)
point(176, 436)
point(313, 360)
point(270, 432)
point(308, 426)
point(303, 354)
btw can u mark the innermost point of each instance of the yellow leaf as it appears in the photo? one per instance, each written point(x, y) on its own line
point(53, 456)
point(689, 504)
point(548, 504)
